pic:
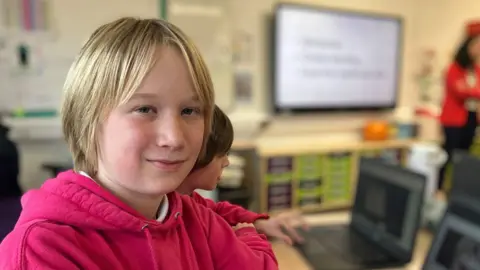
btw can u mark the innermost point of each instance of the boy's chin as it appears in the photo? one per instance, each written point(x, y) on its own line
point(209, 187)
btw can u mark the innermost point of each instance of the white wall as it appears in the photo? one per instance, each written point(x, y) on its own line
point(73, 22)
point(428, 23)
point(439, 25)
point(250, 16)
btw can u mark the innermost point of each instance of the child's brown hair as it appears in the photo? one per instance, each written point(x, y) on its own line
point(220, 140)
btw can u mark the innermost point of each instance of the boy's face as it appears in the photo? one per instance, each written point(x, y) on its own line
point(207, 177)
point(149, 145)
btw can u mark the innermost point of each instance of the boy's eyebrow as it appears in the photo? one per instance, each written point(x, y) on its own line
point(194, 97)
point(142, 96)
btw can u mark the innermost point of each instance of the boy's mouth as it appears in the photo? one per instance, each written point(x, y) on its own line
point(167, 165)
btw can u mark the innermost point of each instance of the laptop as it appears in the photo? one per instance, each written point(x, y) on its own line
point(384, 222)
point(465, 173)
point(457, 242)
point(465, 168)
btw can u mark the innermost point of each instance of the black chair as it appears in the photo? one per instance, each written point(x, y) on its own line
point(9, 166)
point(10, 209)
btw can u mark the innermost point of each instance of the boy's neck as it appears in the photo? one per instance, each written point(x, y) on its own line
point(147, 206)
point(184, 189)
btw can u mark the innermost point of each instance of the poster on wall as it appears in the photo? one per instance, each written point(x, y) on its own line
point(428, 79)
point(31, 74)
point(242, 48)
point(31, 77)
point(243, 87)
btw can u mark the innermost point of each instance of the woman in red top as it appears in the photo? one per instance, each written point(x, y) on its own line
point(462, 94)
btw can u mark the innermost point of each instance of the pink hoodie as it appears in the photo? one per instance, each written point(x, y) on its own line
point(73, 223)
point(232, 214)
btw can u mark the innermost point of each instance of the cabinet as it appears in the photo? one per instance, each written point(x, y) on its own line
point(318, 177)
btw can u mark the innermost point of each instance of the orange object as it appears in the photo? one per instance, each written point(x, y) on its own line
point(376, 130)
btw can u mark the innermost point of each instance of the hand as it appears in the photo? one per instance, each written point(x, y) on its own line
point(283, 226)
point(242, 225)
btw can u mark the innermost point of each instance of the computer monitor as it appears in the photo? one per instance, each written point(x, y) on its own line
point(388, 204)
point(334, 59)
point(457, 242)
point(465, 176)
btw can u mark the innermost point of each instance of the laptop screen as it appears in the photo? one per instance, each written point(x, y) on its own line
point(456, 244)
point(465, 174)
point(387, 205)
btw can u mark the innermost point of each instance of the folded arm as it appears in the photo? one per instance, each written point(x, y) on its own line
point(232, 214)
point(242, 249)
point(457, 84)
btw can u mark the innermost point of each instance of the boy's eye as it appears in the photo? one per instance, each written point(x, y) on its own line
point(190, 111)
point(144, 110)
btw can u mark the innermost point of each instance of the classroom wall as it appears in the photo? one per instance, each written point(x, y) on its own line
point(250, 17)
point(443, 30)
point(427, 23)
point(73, 22)
point(439, 25)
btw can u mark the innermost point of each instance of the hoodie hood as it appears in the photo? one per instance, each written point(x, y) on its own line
point(75, 200)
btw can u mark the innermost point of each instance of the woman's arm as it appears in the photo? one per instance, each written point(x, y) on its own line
point(457, 84)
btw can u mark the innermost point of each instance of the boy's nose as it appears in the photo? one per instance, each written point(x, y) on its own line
point(171, 133)
point(226, 162)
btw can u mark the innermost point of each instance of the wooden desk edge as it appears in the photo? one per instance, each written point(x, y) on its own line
point(288, 258)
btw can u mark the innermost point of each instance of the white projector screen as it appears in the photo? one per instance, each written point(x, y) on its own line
point(334, 59)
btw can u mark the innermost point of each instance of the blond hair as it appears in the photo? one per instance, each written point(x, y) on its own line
point(109, 69)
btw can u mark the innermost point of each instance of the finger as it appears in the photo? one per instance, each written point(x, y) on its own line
point(304, 224)
point(282, 236)
point(285, 238)
point(299, 220)
point(292, 232)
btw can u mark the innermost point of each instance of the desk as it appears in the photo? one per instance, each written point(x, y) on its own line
point(288, 258)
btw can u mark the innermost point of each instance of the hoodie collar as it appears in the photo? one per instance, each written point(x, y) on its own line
point(162, 210)
point(76, 200)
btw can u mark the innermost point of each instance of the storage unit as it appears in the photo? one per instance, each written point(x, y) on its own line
point(319, 177)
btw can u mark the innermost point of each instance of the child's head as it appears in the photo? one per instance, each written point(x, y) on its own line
point(138, 106)
point(208, 169)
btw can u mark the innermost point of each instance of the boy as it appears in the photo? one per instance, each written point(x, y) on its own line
point(137, 111)
point(207, 173)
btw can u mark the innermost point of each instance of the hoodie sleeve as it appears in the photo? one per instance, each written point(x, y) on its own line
point(45, 245)
point(242, 249)
point(232, 214)
point(36, 247)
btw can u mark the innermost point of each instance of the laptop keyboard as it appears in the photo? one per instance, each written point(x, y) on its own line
point(313, 246)
point(342, 243)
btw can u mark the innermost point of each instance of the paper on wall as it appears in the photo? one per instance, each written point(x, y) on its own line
point(31, 72)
